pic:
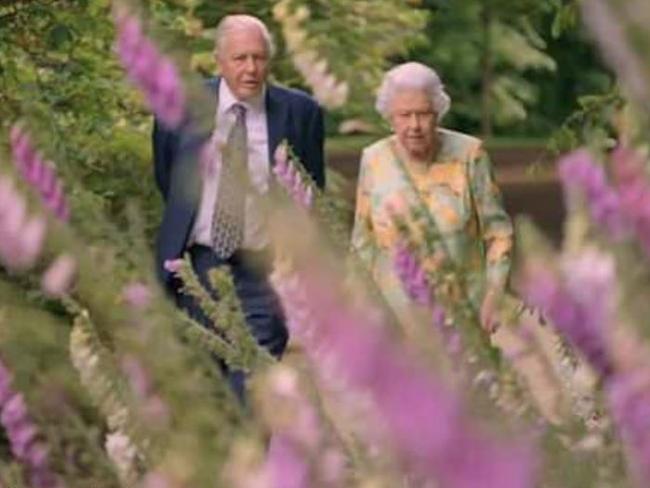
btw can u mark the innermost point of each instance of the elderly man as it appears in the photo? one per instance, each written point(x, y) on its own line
point(224, 223)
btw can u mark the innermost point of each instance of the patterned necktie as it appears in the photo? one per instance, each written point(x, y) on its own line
point(228, 219)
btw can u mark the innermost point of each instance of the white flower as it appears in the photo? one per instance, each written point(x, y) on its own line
point(122, 452)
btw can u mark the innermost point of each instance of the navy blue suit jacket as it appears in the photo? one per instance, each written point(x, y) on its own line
point(291, 115)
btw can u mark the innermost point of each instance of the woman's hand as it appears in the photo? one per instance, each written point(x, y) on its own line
point(489, 311)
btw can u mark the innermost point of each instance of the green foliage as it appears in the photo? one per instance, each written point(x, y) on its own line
point(58, 71)
point(463, 36)
point(593, 124)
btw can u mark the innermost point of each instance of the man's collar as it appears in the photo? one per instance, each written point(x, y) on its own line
point(227, 99)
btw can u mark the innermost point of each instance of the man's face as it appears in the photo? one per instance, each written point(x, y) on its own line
point(414, 122)
point(244, 62)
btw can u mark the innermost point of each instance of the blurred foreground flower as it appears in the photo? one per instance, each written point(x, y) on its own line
point(289, 176)
point(153, 73)
point(620, 41)
point(632, 183)
point(412, 276)
point(326, 88)
point(21, 237)
point(629, 399)
point(38, 173)
point(23, 435)
point(579, 300)
point(299, 442)
point(58, 278)
point(579, 172)
point(137, 295)
point(433, 436)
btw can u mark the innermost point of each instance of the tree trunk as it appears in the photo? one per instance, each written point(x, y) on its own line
point(487, 68)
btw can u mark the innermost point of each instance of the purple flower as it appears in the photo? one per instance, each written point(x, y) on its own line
point(150, 71)
point(580, 173)
point(629, 399)
point(21, 238)
point(38, 173)
point(433, 434)
point(286, 464)
point(291, 180)
point(59, 276)
point(281, 158)
point(579, 304)
point(158, 479)
point(138, 377)
point(606, 21)
point(137, 295)
point(412, 276)
point(23, 435)
point(634, 192)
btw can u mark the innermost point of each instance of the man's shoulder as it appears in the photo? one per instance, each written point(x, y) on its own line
point(293, 96)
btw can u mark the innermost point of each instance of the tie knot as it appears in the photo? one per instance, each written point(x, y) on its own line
point(239, 110)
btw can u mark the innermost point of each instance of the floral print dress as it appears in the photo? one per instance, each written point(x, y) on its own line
point(463, 203)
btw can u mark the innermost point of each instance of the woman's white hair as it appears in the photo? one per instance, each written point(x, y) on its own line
point(412, 76)
point(231, 23)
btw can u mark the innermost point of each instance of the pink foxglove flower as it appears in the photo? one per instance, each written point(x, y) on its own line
point(137, 375)
point(281, 158)
point(416, 284)
point(290, 178)
point(38, 173)
point(634, 192)
point(629, 399)
point(58, 278)
point(150, 71)
point(606, 22)
point(297, 441)
point(157, 479)
point(451, 450)
point(412, 276)
point(286, 464)
point(580, 173)
point(24, 438)
point(21, 237)
point(173, 265)
point(578, 302)
point(137, 295)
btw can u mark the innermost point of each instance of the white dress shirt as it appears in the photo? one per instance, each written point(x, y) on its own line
point(255, 233)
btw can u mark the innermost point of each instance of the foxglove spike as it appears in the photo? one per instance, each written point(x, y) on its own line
point(154, 74)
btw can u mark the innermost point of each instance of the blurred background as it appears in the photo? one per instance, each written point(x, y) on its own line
point(522, 74)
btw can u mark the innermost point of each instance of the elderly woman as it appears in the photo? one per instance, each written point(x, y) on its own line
point(446, 171)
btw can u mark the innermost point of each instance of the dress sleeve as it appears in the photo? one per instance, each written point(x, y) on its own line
point(363, 242)
point(495, 225)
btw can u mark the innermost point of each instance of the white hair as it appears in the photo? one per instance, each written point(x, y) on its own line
point(240, 22)
point(412, 76)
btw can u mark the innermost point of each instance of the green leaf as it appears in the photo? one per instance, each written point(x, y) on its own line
point(59, 35)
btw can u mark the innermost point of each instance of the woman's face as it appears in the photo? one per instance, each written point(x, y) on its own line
point(414, 122)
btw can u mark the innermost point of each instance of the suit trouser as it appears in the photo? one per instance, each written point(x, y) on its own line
point(259, 302)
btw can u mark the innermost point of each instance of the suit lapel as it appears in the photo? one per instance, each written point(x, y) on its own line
point(276, 116)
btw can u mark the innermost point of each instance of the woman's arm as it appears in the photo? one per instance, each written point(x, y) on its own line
point(495, 225)
point(362, 241)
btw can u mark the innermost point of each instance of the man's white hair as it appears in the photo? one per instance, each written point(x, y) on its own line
point(240, 22)
point(412, 76)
